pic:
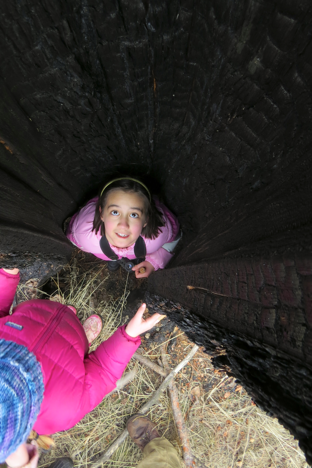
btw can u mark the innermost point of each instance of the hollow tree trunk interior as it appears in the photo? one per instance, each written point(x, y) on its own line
point(213, 99)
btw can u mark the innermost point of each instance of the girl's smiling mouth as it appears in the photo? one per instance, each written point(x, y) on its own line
point(122, 236)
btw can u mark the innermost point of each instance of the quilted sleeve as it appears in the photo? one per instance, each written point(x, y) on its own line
point(159, 259)
point(8, 285)
point(105, 366)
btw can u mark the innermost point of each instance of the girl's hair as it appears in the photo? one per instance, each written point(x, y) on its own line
point(153, 216)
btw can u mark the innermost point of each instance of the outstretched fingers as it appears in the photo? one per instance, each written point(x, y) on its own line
point(139, 325)
point(151, 321)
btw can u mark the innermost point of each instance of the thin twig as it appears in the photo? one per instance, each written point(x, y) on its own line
point(224, 412)
point(178, 417)
point(121, 383)
point(209, 292)
point(246, 445)
point(236, 448)
point(216, 387)
point(170, 339)
point(198, 463)
point(106, 456)
point(150, 364)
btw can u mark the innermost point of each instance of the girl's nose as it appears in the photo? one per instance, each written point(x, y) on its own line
point(123, 221)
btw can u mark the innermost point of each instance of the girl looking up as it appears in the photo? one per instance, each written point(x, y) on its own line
point(126, 223)
point(48, 380)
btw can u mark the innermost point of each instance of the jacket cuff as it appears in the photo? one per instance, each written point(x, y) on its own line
point(10, 275)
point(148, 258)
point(136, 340)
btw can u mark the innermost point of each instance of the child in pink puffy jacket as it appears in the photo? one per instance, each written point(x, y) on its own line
point(122, 221)
point(48, 380)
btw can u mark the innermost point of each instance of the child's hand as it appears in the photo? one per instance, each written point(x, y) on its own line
point(148, 269)
point(25, 456)
point(33, 453)
point(139, 325)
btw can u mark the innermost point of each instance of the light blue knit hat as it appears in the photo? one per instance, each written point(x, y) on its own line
point(21, 394)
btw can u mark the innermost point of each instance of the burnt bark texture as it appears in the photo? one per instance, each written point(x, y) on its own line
point(273, 378)
point(213, 99)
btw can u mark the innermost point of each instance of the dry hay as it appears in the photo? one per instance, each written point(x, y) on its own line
point(226, 429)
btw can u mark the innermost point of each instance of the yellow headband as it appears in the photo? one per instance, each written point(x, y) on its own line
point(128, 178)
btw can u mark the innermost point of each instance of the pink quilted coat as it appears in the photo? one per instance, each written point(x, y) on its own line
point(80, 233)
point(75, 382)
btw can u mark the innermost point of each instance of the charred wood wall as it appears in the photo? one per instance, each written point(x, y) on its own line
point(212, 98)
point(278, 383)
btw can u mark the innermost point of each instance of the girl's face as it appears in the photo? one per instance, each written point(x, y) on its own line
point(123, 217)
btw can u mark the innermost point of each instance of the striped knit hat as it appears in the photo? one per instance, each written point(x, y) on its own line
point(21, 394)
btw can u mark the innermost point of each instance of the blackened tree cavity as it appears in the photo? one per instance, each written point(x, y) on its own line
point(213, 98)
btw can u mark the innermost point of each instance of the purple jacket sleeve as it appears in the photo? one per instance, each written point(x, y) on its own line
point(105, 366)
point(8, 285)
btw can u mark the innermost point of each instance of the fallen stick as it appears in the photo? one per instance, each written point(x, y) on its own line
point(106, 456)
point(147, 362)
point(178, 417)
point(123, 381)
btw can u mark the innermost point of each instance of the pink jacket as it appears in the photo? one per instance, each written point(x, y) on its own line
point(75, 382)
point(80, 233)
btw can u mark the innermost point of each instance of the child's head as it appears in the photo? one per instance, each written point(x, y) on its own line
point(126, 210)
point(21, 394)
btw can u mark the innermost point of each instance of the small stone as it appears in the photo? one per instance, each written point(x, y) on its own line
point(147, 335)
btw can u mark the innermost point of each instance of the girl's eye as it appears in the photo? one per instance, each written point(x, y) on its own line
point(134, 215)
point(115, 213)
